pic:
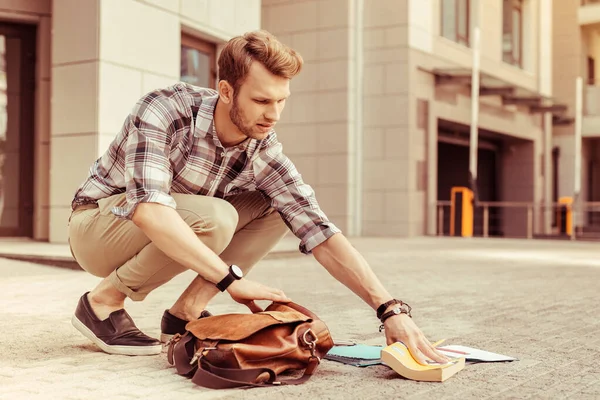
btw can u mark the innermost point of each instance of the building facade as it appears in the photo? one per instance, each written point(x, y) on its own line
point(576, 48)
point(378, 122)
point(380, 117)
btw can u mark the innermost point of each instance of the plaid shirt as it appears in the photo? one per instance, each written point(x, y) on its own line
point(168, 144)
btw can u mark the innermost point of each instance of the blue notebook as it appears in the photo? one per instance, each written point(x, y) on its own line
point(358, 355)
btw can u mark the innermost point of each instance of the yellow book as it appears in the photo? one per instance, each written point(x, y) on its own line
point(398, 357)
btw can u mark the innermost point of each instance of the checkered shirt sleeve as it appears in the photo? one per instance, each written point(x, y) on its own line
point(149, 135)
point(277, 177)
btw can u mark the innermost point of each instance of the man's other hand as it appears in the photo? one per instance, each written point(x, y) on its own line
point(245, 292)
point(401, 328)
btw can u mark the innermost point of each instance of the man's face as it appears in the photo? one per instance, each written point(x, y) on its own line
point(259, 101)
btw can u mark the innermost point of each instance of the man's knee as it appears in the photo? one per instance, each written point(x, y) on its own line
point(213, 220)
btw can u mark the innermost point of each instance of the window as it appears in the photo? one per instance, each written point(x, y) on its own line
point(512, 32)
point(198, 65)
point(455, 20)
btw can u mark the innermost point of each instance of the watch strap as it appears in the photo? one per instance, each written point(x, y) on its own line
point(225, 282)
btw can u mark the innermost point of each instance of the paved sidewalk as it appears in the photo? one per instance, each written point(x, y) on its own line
point(536, 300)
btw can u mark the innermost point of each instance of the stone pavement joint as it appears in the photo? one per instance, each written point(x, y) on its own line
point(536, 300)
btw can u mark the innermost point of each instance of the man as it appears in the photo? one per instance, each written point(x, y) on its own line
point(196, 179)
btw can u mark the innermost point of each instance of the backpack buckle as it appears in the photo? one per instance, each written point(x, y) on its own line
point(200, 353)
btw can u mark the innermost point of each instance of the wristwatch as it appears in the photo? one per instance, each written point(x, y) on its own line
point(235, 273)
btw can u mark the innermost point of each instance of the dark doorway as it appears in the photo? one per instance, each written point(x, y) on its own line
point(17, 90)
point(453, 170)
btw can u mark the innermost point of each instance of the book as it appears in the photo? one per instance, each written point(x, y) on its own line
point(398, 357)
point(358, 355)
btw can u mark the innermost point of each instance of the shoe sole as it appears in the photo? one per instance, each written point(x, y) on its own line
point(115, 349)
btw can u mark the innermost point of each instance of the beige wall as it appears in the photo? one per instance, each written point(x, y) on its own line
point(38, 13)
point(387, 169)
point(491, 41)
point(105, 56)
point(316, 126)
point(517, 184)
point(569, 55)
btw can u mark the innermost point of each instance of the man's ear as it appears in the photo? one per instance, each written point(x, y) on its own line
point(225, 92)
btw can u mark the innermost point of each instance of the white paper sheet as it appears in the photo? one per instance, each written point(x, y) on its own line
point(473, 354)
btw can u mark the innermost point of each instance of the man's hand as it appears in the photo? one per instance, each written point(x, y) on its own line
point(245, 292)
point(401, 328)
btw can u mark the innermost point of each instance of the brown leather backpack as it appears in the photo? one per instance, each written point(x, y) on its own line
point(235, 350)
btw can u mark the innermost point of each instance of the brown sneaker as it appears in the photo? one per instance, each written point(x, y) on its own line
point(115, 335)
point(170, 325)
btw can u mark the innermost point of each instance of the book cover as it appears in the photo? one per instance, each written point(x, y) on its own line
point(398, 357)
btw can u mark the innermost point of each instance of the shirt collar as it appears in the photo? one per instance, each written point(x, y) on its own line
point(205, 125)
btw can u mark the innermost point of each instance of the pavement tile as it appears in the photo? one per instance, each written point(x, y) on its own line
point(472, 292)
point(594, 388)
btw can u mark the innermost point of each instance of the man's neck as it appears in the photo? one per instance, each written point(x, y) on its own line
point(229, 135)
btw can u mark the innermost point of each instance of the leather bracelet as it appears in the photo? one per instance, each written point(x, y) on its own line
point(381, 309)
point(395, 311)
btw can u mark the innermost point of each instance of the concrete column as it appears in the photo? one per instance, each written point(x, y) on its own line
point(124, 75)
point(318, 124)
point(568, 58)
point(388, 117)
point(545, 85)
point(41, 224)
point(74, 114)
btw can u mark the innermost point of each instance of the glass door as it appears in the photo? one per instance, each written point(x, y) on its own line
point(17, 89)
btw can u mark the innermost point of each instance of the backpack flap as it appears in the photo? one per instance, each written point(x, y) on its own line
point(235, 327)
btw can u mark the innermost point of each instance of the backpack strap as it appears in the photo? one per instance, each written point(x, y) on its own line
point(182, 354)
point(210, 376)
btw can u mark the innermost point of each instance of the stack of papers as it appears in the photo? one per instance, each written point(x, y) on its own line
point(361, 355)
point(473, 355)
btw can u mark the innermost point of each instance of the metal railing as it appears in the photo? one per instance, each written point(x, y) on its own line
point(589, 222)
point(527, 220)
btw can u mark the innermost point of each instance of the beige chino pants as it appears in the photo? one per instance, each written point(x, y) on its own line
point(241, 229)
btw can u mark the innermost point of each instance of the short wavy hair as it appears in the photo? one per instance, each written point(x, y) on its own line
point(260, 46)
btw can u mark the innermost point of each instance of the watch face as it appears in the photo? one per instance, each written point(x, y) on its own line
point(235, 270)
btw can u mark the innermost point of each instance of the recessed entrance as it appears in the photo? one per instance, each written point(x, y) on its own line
point(17, 89)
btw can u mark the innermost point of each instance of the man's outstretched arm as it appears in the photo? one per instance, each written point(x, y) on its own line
point(349, 267)
point(277, 177)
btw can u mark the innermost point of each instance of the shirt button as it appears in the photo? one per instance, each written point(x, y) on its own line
point(223, 154)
